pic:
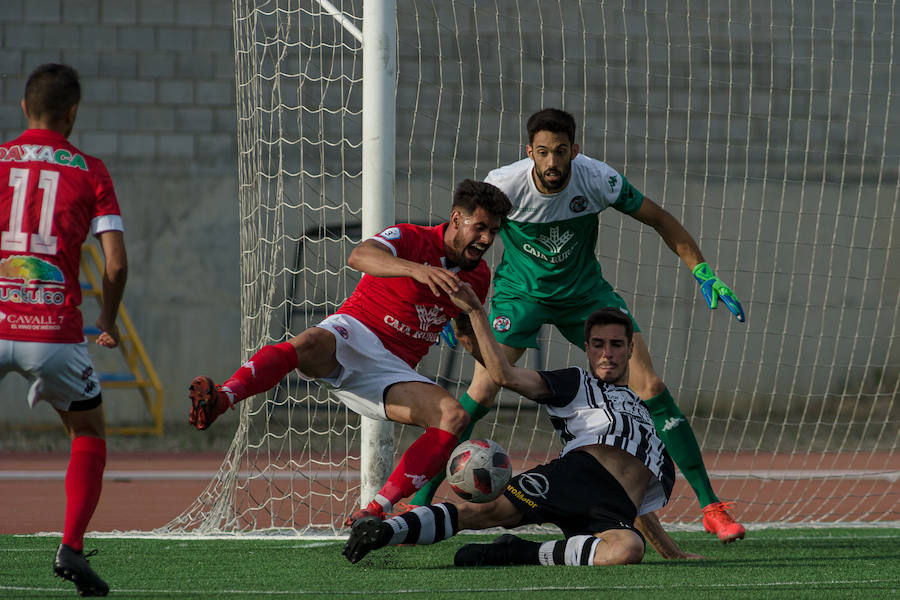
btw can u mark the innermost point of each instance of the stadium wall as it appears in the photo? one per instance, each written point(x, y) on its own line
point(158, 107)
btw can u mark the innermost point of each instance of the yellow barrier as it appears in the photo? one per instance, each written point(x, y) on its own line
point(142, 376)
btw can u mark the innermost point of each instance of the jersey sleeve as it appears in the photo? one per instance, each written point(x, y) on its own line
point(629, 200)
point(397, 238)
point(107, 215)
point(564, 385)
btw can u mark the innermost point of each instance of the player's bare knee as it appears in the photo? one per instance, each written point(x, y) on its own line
point(453, 417)
point(619, 547)
point(315, 350)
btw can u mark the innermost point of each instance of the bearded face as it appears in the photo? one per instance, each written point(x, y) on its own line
point(469, 237)
point(552, 154)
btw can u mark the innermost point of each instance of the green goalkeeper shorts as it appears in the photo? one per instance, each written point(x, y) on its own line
point(516, 321)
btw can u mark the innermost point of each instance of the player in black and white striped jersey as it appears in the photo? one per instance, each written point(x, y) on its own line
point(612, 474)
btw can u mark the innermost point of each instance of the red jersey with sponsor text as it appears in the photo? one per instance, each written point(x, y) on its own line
point(51, 196)
point(402, 312)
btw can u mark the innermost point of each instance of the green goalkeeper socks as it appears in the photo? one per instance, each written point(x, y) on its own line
point(676, 433)
point(475, 411)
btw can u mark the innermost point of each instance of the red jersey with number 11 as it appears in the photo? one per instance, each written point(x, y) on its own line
point(51, 196)
point(402, 312)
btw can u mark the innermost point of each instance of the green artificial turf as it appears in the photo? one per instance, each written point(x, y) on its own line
point(790, 563)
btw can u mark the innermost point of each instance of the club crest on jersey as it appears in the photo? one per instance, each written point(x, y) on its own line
point(501, 324)
point(578, 204)
point(391, 233)
point(342, 330)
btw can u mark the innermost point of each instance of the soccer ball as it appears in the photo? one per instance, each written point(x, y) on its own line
point(478, 470)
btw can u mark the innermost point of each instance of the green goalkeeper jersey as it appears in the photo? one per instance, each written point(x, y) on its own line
point(549, 240)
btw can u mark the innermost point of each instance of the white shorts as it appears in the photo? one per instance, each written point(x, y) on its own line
point(59, 373)
point(367, 368)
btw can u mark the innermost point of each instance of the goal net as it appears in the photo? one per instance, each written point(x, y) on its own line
point(765, 127)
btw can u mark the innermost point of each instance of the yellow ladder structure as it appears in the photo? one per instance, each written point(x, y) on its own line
point(140, 375)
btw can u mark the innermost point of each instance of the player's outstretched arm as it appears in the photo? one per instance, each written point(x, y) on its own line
point(465, 336)
point(713, 289)
point(661, 541)
point(374, 258)
point(524, 381)
point(115, 273)
point(682, 243)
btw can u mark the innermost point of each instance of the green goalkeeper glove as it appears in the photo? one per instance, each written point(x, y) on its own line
point(447, 335)
point(712, 289)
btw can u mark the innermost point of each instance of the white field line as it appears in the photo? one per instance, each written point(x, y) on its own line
point(884, 529)
point(481, 589)
point(189, 475)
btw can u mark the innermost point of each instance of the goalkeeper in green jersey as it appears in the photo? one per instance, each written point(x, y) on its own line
point(549, 273)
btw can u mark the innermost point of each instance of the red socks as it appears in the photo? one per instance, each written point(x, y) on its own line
point(262, 372)
point(84, 479)
point(421, 461)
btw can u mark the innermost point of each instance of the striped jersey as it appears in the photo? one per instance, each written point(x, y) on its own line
point(585, 410)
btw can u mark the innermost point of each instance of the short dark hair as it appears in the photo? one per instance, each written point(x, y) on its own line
point(51, 90)
point(470, 194)
point(609, 316)
point(553, 120)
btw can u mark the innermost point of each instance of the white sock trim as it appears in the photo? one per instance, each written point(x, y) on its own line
point(580, 550)
point(545, 553)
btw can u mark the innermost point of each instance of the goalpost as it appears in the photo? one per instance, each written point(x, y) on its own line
point(769, 129)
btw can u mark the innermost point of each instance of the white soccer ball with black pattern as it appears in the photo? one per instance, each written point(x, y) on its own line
point(478, 470)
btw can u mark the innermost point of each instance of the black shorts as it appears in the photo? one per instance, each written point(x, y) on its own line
point(575, 493)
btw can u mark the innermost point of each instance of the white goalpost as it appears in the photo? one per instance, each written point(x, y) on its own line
point(769, 129)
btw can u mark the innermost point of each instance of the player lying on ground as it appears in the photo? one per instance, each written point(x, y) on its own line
point(368, 350)
point(612, 473)
point(549, 273)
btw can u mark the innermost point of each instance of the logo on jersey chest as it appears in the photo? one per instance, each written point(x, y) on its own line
point(428, 316)
point(578, 204)
point(554, 243)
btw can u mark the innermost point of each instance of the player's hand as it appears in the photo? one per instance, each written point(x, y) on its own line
point(448, 335)
point(712, 289)
point(465, 298)
point(109, 333)
point(438, 279)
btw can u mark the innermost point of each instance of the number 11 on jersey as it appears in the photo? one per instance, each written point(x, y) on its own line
point(15, 239)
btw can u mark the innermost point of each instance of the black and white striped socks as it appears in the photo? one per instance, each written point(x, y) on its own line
point(425, 524)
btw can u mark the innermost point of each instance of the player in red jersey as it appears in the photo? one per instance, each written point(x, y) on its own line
point(51, 196)
point(369, 348)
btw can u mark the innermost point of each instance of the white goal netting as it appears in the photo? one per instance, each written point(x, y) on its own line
point(770, 129)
